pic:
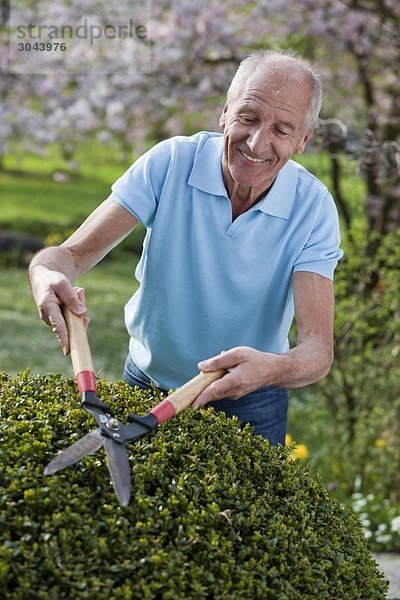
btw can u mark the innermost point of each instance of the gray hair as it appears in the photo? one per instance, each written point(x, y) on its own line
point(287, 62)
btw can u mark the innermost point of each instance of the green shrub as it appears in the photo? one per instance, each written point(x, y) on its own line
point(215, 512)
point(350, 421)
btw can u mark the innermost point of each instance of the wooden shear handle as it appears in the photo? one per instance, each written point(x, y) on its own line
point(185, 395)
point(81, 356)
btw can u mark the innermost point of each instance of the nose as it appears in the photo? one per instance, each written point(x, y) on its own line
point(258, 141)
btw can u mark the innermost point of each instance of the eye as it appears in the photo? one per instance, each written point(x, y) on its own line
point(281, 132)
point(247, 120)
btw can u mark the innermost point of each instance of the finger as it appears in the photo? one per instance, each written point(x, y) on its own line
point(50, 310)
point(58, 325)
point(70, 297)
point(80, 291)
point(225, 360)
point(217, 390)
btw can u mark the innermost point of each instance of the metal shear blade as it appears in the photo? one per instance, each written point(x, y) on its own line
point(118, 466)
point(117, 461)
point(88, 444)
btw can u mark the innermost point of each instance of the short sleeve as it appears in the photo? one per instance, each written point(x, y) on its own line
point(322, 252)
point(139, 188)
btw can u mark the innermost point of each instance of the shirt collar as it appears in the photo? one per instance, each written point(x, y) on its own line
point(206, 175)
point(206, 172)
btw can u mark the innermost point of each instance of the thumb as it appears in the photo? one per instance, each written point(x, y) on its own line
point(71, 297)
point(81, 305)
point(76, 302)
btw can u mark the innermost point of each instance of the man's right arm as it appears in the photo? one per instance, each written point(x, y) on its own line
point(53, 271)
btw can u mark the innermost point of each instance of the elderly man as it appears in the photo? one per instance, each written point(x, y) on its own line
point(239, 240)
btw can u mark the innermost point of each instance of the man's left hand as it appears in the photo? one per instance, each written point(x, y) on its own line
point(248, 369)
point(309, 361)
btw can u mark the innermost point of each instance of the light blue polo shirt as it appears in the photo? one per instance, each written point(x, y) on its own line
point(207, 284)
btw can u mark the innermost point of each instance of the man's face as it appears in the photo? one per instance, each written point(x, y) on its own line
point(263, 126)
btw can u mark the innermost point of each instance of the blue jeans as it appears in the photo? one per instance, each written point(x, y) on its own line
point(264, 409)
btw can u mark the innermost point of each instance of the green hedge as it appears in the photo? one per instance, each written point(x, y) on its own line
point(215, 512)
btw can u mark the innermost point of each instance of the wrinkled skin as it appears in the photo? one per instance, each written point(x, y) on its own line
point(264, 123)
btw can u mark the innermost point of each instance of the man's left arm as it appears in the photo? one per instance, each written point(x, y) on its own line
point(309, 361)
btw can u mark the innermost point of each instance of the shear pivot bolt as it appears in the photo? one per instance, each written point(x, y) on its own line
point(113, 424)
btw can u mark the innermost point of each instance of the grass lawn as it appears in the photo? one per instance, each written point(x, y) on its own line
point(33, 201)
point(27, 341)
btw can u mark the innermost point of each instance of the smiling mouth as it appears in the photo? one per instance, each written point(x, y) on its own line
point(251, 158)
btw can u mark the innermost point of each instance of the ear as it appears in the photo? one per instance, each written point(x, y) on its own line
point(222, 119)
point(301, 146)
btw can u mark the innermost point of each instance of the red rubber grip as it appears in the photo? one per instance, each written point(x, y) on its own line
point(163, 411)
point(86, 381)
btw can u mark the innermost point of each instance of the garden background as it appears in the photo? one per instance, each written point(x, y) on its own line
point(66, 137)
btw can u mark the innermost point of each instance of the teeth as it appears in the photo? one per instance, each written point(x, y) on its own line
point(256, 160)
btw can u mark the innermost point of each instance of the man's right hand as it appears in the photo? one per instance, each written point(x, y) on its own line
point(53, 269)
point(52, 290)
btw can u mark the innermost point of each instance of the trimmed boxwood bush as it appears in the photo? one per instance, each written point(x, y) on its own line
point(215, 512)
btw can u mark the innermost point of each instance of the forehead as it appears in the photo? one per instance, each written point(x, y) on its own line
point(274, 88)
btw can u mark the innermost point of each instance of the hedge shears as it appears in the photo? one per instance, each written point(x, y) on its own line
point(111, 432)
